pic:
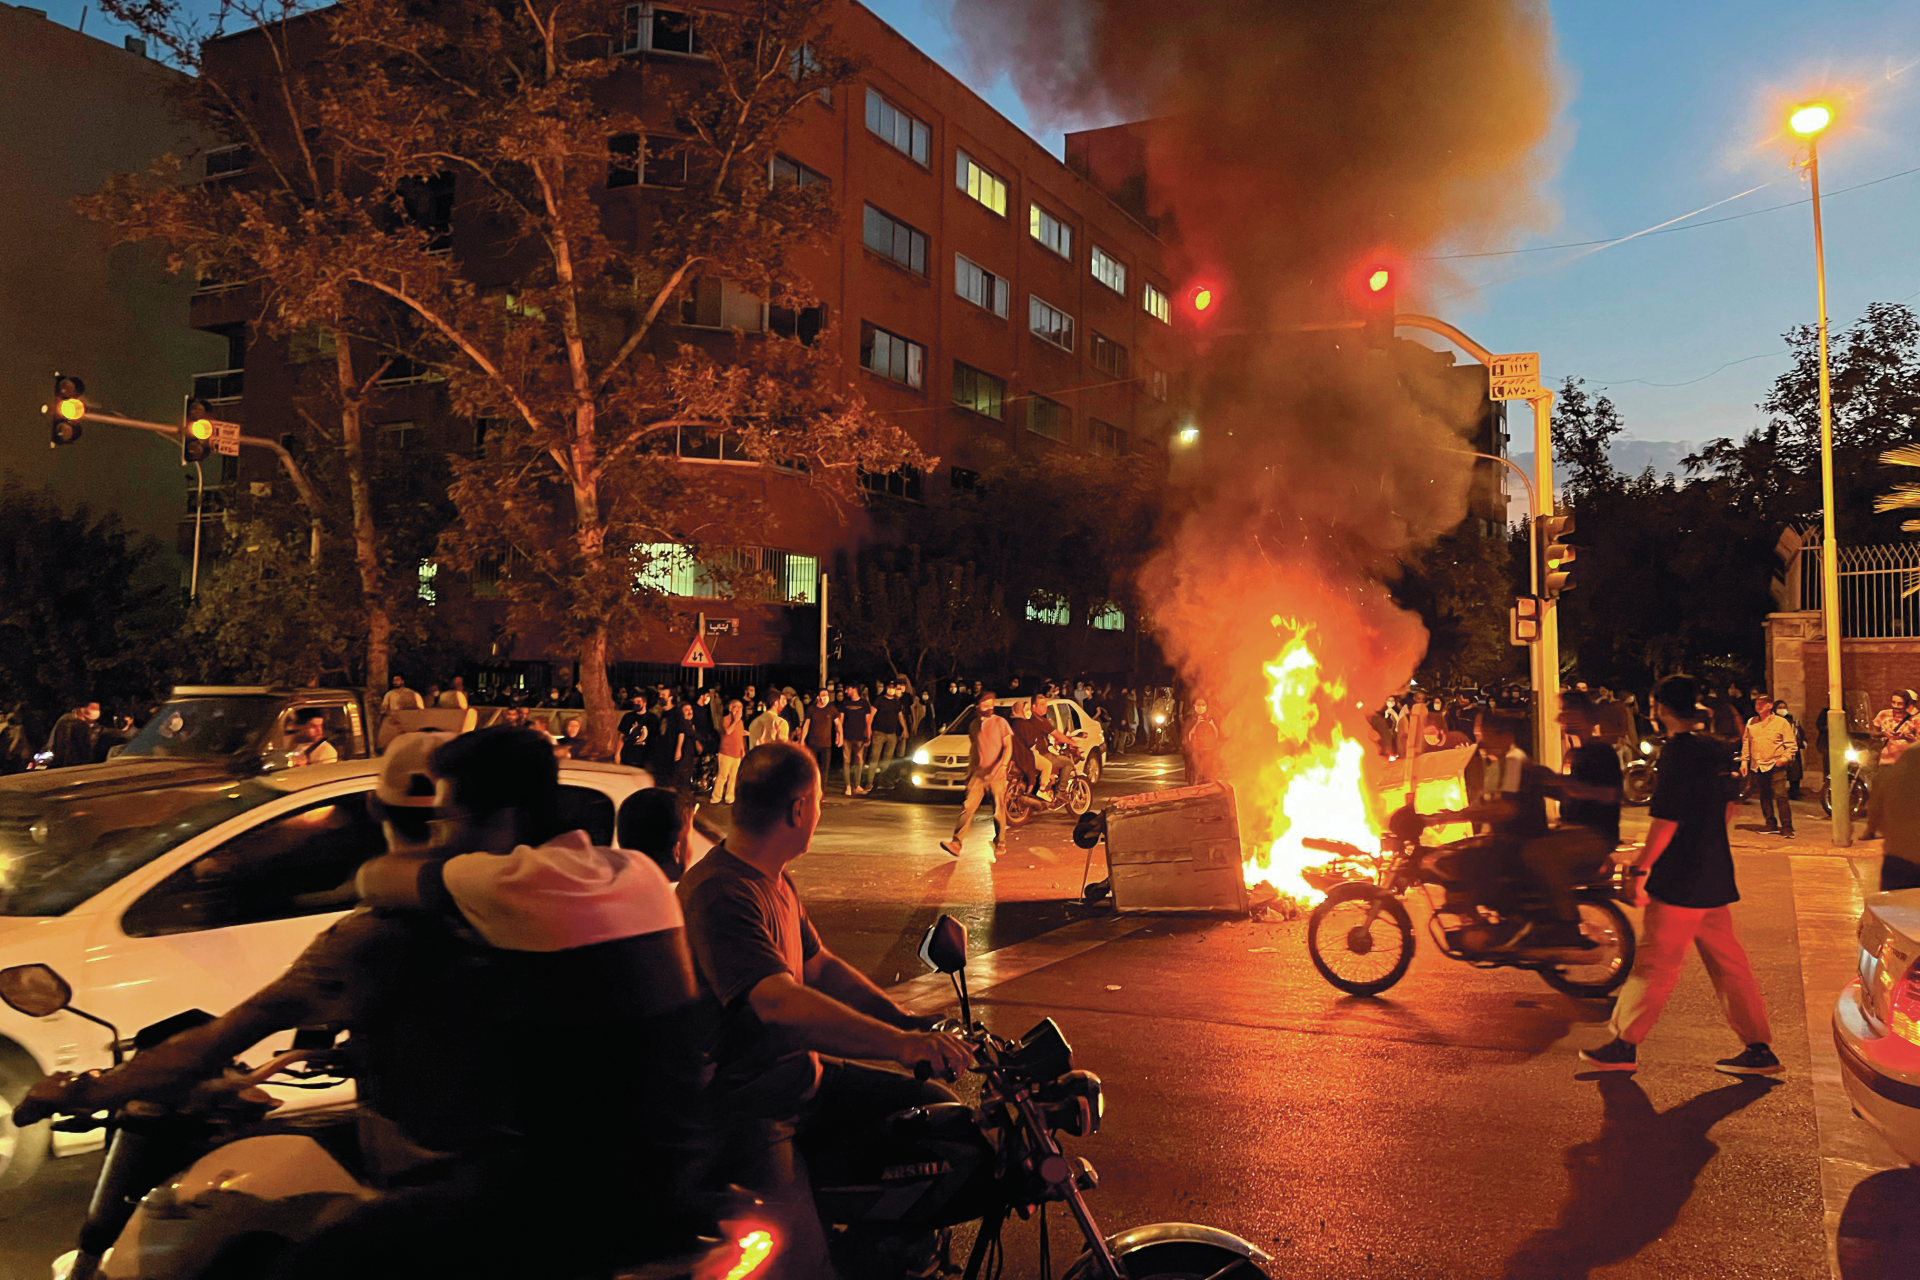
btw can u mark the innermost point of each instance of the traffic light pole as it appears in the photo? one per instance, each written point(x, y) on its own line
point(301, 485)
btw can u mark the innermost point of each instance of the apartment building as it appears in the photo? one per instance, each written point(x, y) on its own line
point(978, 290)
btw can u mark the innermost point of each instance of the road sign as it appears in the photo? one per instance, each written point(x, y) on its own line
point(698, 655)
point(1515, 377)
point(723, 626)
point(226, 438)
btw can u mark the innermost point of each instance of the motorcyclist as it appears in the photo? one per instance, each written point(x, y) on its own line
point(788, 1017)
point(1048, 745)
point(473, 968)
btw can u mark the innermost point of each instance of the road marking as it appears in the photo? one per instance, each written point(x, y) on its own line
point(933, 992)
point(1826, 907)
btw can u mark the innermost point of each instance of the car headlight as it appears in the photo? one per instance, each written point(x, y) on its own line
point(921, 756)
point(1646, 748)
point(1853, 756)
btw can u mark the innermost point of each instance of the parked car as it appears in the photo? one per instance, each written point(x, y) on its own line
point(1876, 1024)
point(939, 766)
point(248, 727)
point(155, 885)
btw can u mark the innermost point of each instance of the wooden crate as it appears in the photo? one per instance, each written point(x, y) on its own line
point(1176, 851)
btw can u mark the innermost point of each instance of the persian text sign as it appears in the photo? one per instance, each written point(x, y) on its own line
point(1515, 377)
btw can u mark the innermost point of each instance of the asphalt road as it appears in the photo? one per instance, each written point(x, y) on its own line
point(1441, 1131)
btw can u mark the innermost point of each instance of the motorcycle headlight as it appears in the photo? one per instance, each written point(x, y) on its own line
point(921, 756)
point(1646, 748)
point(1853, 756)
point(1159, 717)
point(1075, 1104)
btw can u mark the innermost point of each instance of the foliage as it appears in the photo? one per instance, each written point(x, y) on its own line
point(84, 609)
point(1459, 586)
point(921, 617)
point(269, 614)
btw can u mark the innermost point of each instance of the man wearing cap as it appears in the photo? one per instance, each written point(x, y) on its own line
point(1688, 891)
point(1767, 746)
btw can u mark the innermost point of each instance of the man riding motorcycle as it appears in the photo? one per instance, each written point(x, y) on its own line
point(787, 1014)
point(504, 931)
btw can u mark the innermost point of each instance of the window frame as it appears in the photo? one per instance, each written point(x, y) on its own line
point(1034, 402)
point(1001, 291)
point(896, 226)
point(870, 332)
point(692, 300)
point(970, 174)
point(1098, 342)
point(1107, 440)
point(803, 176)
point(637, 36)
point(1095, 255)
point(1150, 293)
point(964, 371)
point(1035, 226)
point(919, 148)
point(1034, 301)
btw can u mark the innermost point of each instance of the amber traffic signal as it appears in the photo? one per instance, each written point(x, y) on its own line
point(1376, 300)
point(65, 410)
point(196, 432)
point(1556, 557)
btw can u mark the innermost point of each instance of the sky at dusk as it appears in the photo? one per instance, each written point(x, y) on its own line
point(1667, 109)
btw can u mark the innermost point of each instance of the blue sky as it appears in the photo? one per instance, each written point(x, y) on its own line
point(1668, 107)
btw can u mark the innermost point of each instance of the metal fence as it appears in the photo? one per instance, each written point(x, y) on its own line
point(1879, 589)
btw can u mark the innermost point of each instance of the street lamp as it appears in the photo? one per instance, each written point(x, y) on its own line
point(1809, 122)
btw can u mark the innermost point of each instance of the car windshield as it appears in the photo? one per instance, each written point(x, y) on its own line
point(206, 728)
point(58, 851)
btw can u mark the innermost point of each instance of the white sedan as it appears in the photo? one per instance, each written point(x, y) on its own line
point(1876, 1024)
point(941, 764)
point(158, 886)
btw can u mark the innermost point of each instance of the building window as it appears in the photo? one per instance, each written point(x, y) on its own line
point(1156, 304)
point(894, 239)
point(623, 160)
point(427, 573)
point(1049, 418)
point(1153, 380)
point(897, 128)
point(1109, 356)
point(980, 183)
point(980, 286)
point(803, 325)
point(401, 369)
point(1049, 323)
point(805, 62)
point(1048, 610)
point(1109, 271)
point(1050, 231)
point(904, 483)
point(224, 162)
point(658, 160)
point(892, 356)
point(713, 303)
point(786, 171)
point(1106, 438)
point(669, 569)
point(963, 478)
point(1109, 618)
point(653, 28)
point(979, 391)
point(309, 344)
point(401, 435)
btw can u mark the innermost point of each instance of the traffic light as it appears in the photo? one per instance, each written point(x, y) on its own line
point(65, 410)
point(1556, 557)
point(1376, 294)
point(1523, 621)
point(1201, 301)
point(196, 432)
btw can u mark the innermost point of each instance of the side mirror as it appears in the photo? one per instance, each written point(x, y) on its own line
point(34, 990)
point(1090, 829)
point(944, 949)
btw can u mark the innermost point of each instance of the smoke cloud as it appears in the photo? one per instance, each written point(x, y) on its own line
point(1286, 145)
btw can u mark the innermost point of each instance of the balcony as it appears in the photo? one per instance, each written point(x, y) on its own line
point(222, 386)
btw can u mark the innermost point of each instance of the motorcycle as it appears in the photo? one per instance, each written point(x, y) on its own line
point(1073, 793)
point(1639, 767)
point(1361, 937)
point(208, 1185)
point(950, 1163)
point(1859, 790)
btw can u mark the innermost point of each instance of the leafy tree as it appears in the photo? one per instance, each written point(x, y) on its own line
point(1460, 586)
point(85, 608)
point(271, 613)
point(1584, 427)
point(922, 617)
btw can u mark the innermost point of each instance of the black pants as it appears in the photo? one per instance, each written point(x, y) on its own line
point(1772, 785)
point(835, 1138)
point(1898, 873)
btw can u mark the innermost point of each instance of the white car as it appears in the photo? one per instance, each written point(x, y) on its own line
point(157, 886)
point(941, 764)
point(1876, 1025)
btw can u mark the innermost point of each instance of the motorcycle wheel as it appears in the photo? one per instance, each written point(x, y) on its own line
point(1637, 786)
point(1079, 795)
point(1857, 797)
point(1359, 959)
point(1606, 968)
point(1020, 809)
point(1178, 1260)
point(22, 1151)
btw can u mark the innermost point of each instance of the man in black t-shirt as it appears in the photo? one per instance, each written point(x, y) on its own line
point(1688, 890)
point(889, 725)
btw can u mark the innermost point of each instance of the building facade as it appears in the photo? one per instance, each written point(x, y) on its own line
point(978, 290)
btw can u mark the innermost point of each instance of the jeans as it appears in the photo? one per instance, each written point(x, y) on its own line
point(979, 786)
point(886, 746)
point(1772, 786)
point(1665, 936)
point(835, 1141)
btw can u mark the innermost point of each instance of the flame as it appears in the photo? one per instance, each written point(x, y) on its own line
point(1317, 779)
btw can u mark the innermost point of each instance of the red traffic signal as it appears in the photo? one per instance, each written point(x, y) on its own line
point(1201, 300)
point(1373, 291)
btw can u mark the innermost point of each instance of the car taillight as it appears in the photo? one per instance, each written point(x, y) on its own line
point(1903, 1009)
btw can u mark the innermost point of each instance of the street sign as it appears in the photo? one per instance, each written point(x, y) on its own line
point(226, 438)
point(1515, 377)
point(698, 655)
point(723, 626)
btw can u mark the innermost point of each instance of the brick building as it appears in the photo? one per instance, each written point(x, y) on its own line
point(978, 288)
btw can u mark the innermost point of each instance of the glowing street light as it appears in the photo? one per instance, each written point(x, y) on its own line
point(1189, 434)
point(1809, 122)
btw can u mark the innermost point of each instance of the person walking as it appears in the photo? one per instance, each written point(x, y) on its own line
point(1688, 891)
point(1767, 747)
point(991, 743)
point(820, 732)
point(1796, 767)
point(856, 735)
point(889, 725)
point(733, 749)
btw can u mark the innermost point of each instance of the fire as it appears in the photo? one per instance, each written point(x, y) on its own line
point(1317, 779)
